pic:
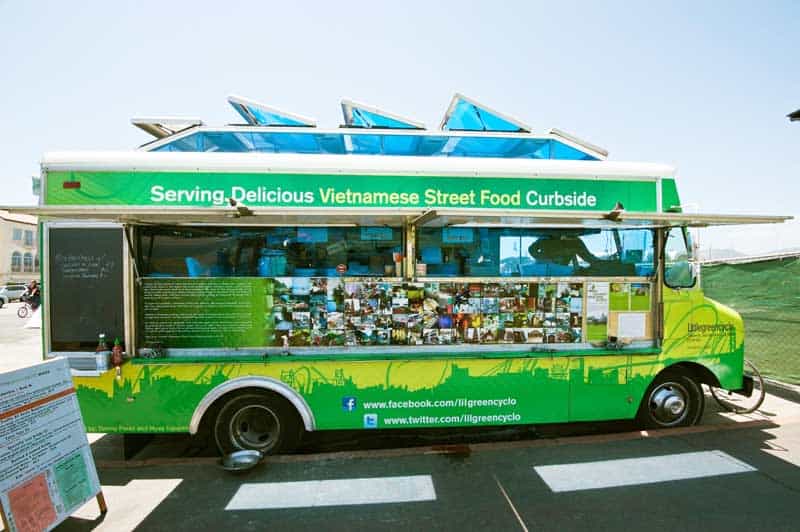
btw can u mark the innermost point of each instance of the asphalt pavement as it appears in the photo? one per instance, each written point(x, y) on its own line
point(731, 472)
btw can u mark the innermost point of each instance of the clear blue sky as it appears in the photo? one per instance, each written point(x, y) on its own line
point(701, 85)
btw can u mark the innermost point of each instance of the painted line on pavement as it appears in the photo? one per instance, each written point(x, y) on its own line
point(637, 471)
point(340, 492)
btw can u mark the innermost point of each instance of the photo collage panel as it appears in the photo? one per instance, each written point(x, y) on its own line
point(334, 312)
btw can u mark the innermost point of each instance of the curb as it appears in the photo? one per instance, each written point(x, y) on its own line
point(790, 392)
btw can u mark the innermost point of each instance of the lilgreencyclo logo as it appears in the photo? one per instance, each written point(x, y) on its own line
point(701, 328)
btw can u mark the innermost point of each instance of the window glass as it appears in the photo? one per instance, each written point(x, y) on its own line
point(270, 252)
point(28, 262)
point(489, 252)
point(17, 234)
point(678, 271)
point(36, 263)
point(468, 251)
point(28, 238)
point(16, 261)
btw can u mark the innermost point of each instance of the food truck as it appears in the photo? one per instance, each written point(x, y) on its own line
point(272, 277)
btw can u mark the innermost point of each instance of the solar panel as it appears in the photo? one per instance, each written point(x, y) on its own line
point(466, 114)
point(362, 115)
point(164, 126)
point(259, 114)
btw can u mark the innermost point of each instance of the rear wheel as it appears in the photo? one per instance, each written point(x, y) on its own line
point(259, 421)
point(673, 400)
point(22, 311)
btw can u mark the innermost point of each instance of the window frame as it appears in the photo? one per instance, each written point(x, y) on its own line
point(684, 232)
point(148, 250)
point(611, 265)
point(16, 265)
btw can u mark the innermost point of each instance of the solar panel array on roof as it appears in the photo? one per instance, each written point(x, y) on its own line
point(469, 129)
point(375, 142)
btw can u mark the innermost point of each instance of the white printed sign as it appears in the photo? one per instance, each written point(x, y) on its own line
point(632, 325)
point(46, 465)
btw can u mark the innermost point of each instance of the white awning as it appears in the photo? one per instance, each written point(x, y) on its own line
point(239, 215)
point(310, 216)
point(564, 218)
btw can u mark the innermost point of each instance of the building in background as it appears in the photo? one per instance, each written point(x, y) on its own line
point(19, 248)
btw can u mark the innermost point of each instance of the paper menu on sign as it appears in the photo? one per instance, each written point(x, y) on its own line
point(631, 325)
point(46, 466)
point(73, 480)
point(31, 505)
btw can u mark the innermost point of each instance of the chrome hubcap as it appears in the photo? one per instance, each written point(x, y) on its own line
point(254, 427)
point(669, 404)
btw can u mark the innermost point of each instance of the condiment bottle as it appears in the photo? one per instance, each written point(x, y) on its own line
point(116, 354)
point(101, 353)
point(101, 343)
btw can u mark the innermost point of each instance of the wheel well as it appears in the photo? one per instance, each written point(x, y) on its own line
point(214, 399)
point(211, 412)
point(698, 372)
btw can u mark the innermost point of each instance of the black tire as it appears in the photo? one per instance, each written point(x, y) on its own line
point(22, 311)
point(673, 399)
point(259, 421)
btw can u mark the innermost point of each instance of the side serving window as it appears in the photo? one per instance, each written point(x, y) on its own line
point(678, 270)
point(269, 251)
point(509, 252)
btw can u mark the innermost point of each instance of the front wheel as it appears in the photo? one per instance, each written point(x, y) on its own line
point(257, 421)
point(672, 400)
point(22, 311)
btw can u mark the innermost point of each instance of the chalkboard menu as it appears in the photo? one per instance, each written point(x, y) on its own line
point(85, 287)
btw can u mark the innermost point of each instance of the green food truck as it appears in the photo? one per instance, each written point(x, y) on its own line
point(270, 278)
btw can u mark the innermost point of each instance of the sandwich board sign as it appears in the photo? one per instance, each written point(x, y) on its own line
point(46, 466)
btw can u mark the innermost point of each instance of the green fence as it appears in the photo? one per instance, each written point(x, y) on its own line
point(767, 295)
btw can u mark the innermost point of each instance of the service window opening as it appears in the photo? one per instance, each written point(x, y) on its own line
point(231, 288)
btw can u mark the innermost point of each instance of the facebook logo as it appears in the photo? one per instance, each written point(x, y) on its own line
point(370, 421)
point(348, 404)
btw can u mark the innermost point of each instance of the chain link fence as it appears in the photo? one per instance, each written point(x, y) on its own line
point(767, 295)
